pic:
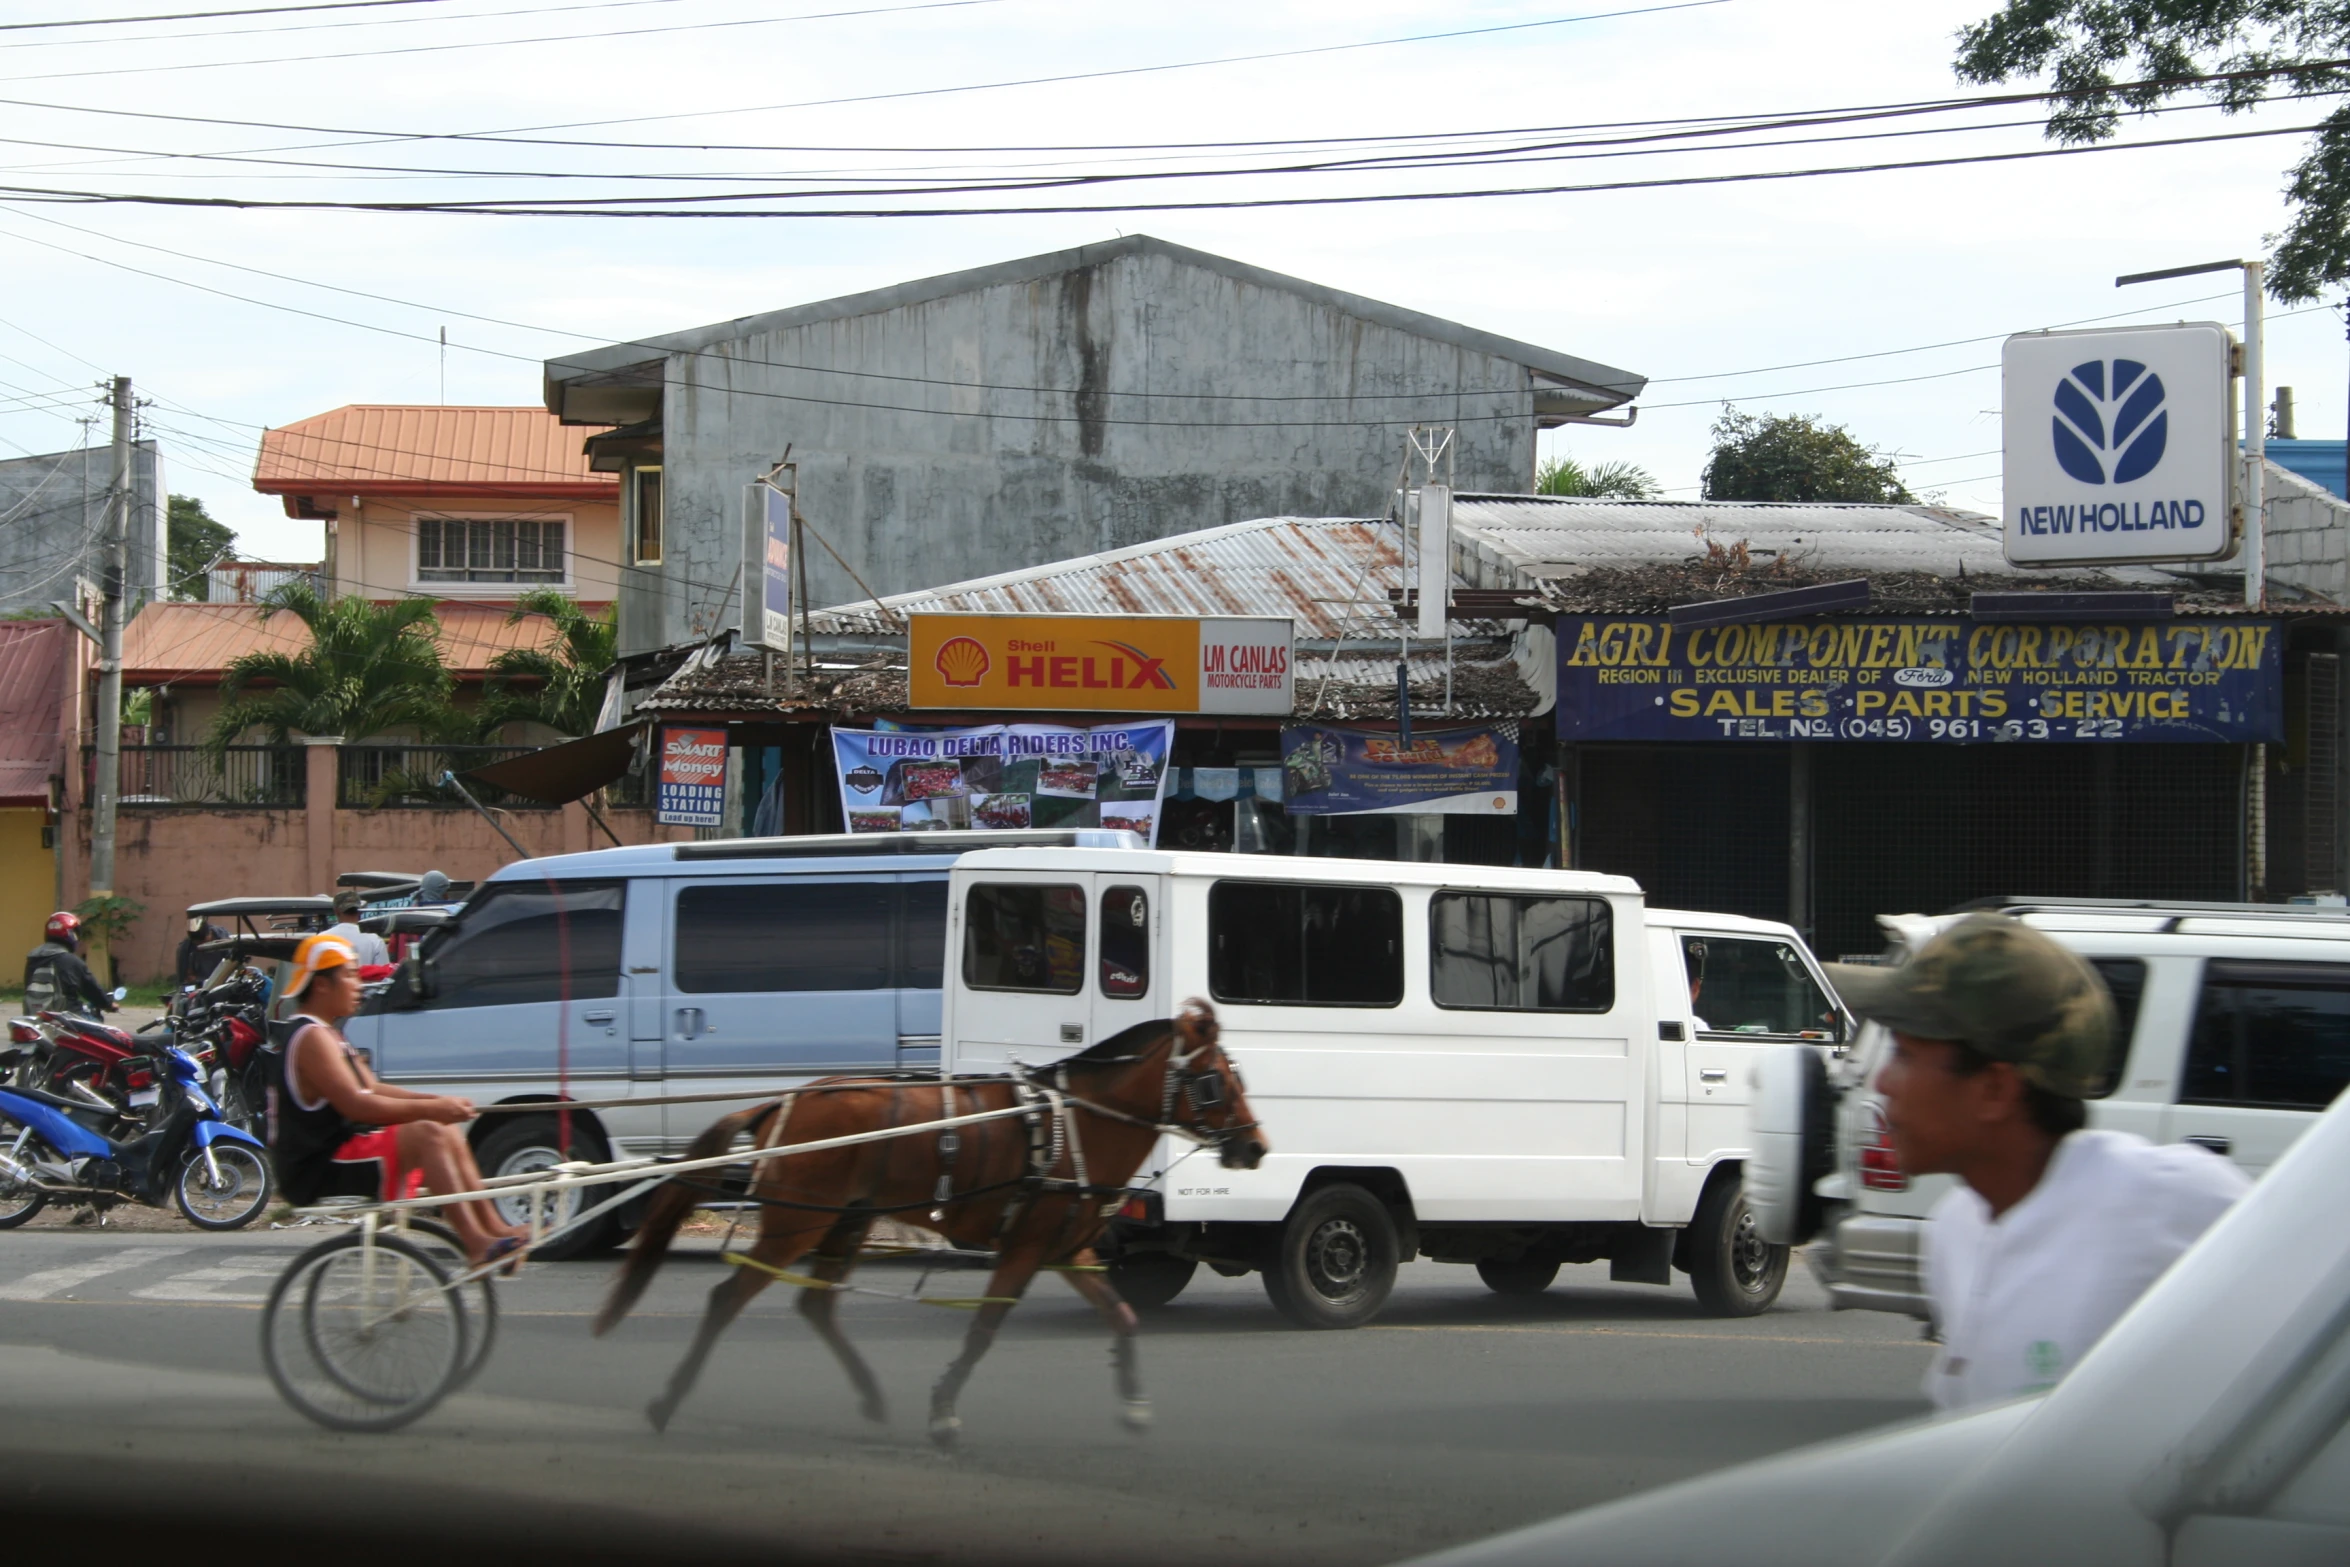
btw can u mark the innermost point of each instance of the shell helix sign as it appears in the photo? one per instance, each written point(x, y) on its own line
point(1101, 663)
point(2118, 446)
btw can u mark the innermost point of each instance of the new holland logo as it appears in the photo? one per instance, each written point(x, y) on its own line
point(2110, 425)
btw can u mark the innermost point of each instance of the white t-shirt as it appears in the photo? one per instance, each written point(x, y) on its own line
point(368, 945)
point(2021, 1298)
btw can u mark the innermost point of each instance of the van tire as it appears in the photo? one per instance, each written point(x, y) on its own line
point(1147, 1280)
point(1335, 1261)
point(530, 1142)
point(1732, 1269)
point(1527, 1275)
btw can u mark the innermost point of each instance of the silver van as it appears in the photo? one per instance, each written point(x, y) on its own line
point(669, 969)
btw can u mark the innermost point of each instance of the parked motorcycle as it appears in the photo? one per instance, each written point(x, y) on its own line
point(56, 1148)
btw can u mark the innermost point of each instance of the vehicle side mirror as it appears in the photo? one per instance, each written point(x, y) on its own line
point(121, 992)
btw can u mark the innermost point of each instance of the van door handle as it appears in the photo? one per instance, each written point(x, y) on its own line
point(1713, 1074)
point(689, 1022)
point(595, 1017)
point(2218, 1145)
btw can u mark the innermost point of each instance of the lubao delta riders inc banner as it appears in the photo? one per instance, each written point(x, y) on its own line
point(1005, 775)
point(1893, 679)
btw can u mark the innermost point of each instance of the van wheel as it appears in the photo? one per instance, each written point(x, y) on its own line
point(1336, 1259)
point(1527, 1275)
point(529, 1144)
point(1734, 1271)
point(1148, 1279)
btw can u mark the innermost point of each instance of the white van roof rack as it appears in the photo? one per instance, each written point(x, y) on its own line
point(2179, 910)
point(931, 841)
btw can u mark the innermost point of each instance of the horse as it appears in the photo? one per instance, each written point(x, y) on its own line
point(1036, 1190)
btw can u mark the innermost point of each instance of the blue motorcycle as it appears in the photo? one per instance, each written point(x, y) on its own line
point(183, 1151)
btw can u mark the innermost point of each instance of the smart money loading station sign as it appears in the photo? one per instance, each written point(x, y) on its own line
point(1899, 679)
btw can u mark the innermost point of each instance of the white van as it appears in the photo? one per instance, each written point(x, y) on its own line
point(1511, 1068)
point(2233, 1034)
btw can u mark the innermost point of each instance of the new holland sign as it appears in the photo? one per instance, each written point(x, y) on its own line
point(1100, 663)
point(2119, 446)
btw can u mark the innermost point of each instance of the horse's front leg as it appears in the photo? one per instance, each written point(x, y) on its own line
point(1004, 1288)
point(1135, 1407)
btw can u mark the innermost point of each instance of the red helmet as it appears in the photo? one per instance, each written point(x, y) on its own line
point(63, 926)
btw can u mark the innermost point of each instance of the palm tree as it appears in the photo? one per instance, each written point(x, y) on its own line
point(567, 690)
point(1621, 481)
point(370, 668)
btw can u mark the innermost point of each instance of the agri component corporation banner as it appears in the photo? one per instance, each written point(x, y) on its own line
point(1916, 679)
point(1005, 775)
point(1328, 770)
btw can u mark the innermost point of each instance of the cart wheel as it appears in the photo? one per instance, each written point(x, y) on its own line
point(478, 1298)
point(362, 1340)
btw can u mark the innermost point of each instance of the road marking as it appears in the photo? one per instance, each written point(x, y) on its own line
point(1589, 1332)
point(53, 1281)
point(204, 1283)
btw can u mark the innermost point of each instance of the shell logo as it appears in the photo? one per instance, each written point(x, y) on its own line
point(962, 662)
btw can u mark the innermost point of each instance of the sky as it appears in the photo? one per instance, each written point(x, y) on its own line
point(1719, 292)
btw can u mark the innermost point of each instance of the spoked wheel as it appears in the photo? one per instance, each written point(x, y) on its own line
point(479, 1300)
point(230, 1199)
point(364, 1339)
point(19, 1201)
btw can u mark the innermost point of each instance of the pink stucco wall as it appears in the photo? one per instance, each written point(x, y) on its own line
point(170, 858)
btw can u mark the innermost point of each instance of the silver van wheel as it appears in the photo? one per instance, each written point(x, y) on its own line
point(532, 1145)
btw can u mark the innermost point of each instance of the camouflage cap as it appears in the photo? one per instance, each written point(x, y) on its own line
point(2002, 988)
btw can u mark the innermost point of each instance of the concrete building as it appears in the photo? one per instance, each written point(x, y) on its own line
point(53, 519)
point(1040, 409)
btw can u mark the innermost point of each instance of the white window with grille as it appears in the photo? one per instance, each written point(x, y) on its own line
point(493, 551)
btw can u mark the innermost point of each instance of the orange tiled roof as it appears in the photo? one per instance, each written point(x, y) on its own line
point(190, 644)
point(405, 449)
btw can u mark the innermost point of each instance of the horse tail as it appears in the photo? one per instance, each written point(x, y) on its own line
point(1198, 1026)
point(666, 1212)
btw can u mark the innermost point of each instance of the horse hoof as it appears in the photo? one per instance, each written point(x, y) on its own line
point(658, 1413)
point(1136, 1414)
point(876, 1411)
point(946, 1432)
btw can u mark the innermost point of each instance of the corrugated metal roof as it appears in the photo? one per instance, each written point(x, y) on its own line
point(190, 644)
point(33, 666)
point(1536, 536)
point(403, 449)
point(1313, 569)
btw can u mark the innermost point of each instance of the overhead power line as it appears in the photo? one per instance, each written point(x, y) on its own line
point(199, 16)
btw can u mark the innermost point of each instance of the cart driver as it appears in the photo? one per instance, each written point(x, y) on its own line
point(1999, 1037)
point(334, 1130)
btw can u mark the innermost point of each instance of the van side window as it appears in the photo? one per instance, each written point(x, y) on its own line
point(1755, 985)
point(525, 941)
point(1305, 944)
point(2270, 1034)
point(1021, 936)
point(922, 935)
point(2125, 981)
point(1503, 952)
point(1126, 943)
point(763, 935)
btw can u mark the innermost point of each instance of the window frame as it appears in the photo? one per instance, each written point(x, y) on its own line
point(970, 928)
point(1101, 912)
point(459, 587)
point(2238, 975)
point(1403, 976)
point(1608, 909)
point(433, 950)
point(1842, 1034)
point(887, 895)
point(637, 477)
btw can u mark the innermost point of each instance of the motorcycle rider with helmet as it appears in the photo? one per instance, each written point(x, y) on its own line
point(56, 978)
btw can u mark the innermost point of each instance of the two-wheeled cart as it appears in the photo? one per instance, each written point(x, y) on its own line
point(370, 1329)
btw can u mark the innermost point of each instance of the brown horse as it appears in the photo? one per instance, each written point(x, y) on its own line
point(1036, 1190)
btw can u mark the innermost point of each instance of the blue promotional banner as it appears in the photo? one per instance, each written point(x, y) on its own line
point(1918, 679)
point(1331, 770)
point(1005, 775)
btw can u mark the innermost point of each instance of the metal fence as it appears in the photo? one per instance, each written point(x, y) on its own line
point(259, 776)
point(408, 777)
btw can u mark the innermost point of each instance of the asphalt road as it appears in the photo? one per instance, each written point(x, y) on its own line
point(1458, 1414)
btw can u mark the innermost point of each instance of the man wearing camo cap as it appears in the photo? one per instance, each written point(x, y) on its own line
point(1999, 1035)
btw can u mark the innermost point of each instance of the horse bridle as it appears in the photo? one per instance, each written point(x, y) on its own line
point(1202, 1091)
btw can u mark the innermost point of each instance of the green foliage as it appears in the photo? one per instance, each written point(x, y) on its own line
point(2108, 57)
point(1795, 457)
point(193, 540)
point(1621, 481)
point(561, 687)
point(109, 916)
point(370, 668)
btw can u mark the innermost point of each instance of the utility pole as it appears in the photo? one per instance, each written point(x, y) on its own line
point(114, 572)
